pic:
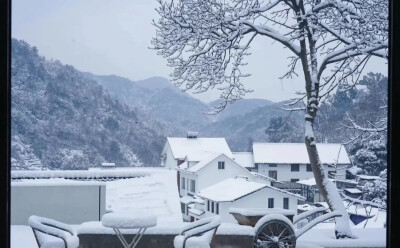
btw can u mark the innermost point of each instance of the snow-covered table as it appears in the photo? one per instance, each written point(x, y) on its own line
point(129, 220)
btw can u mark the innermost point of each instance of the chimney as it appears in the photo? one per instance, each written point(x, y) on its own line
point(192, 135)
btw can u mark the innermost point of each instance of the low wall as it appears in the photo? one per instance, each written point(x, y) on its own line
point(69, 202)
point(94, 235)
point(160, 241)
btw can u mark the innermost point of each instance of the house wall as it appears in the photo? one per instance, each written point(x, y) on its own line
point(285, 173)
point(210, 174)
point(170, 162)
point(258, 199)
point(188, 177)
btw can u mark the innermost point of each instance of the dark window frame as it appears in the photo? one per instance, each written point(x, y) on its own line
point(270, 202)
point(192, 186)
point(276, 174)
point(294, 166)
point(285, 203)
point(309, 169)
point(221, 165)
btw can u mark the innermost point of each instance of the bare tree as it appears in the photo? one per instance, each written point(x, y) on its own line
point(206, 43)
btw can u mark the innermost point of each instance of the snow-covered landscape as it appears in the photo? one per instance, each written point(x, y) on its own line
point(241, 123)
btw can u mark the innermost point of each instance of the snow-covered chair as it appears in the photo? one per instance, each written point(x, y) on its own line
point(52, 234)
point(198, 234)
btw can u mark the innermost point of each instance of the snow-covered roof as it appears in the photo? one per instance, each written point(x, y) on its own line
point(196, 211)
point(230, 189)
point(309, 182)
point(353, 191)
point(197, 148)
point(264, 177)
point(234, 188)
point(367, 177)
point(245, 159)
point(186, 199)
point(211, 157)
point(296, 153)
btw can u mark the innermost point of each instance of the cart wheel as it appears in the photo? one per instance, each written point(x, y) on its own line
point(275, 233)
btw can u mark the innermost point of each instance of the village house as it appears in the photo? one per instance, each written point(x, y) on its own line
point(239, 192)
point(191, 149)
point(192, 178)
point(289, 162)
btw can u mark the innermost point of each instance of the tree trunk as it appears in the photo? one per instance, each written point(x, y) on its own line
point(328, 189)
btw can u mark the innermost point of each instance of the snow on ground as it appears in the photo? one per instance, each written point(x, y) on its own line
point(22, 237)
point(368, 237)
point(156, 193)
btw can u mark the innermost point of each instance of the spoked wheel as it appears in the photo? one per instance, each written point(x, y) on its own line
point(275, 234)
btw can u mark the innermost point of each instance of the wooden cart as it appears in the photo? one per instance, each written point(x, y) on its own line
point(275, 228)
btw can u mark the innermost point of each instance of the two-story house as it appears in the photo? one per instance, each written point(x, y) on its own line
point(192, 178)
point(289, 162)
point(191, 149)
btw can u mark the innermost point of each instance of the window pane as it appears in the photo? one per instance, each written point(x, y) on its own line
point(270, 202)
point(273, 174)
point(212, 207)
point(293, 180)
point(309, 167)
point(295, 167)
point(273, 165)
point(217, 208)
point(285, 203)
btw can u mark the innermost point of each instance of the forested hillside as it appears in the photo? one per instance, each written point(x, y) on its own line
point(61, 119)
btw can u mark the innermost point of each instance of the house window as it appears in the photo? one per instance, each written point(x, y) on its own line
point(217, 208)
point(285, 203)
point(183, 208)
point(293, 180)
point(212, 207)
point(183, 182)
point(221, 165)
point(273, 165)
point(295, 167)
point(192, 186)
point(208, 206)
point(273, 174)
point(309, 167)
point(270, 202)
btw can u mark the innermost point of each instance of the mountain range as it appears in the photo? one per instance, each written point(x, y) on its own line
point(63, 118)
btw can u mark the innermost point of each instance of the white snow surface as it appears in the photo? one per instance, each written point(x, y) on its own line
point(296, 153)
point(234, 188)
point(368, 237)
point(310, 181)
point(230, 189)
point(353, 190)
point(54, 182)
point(261, 211)
point(245, 159)
point(199, 148)
point(128, 219)
point(92, 173)
point(156, 193)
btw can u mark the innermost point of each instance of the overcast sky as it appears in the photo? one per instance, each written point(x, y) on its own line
point(112, 37)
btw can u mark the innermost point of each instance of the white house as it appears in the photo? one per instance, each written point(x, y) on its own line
point(194, 177)
point(191, 149)
point(239, 193)
point(289, 162)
